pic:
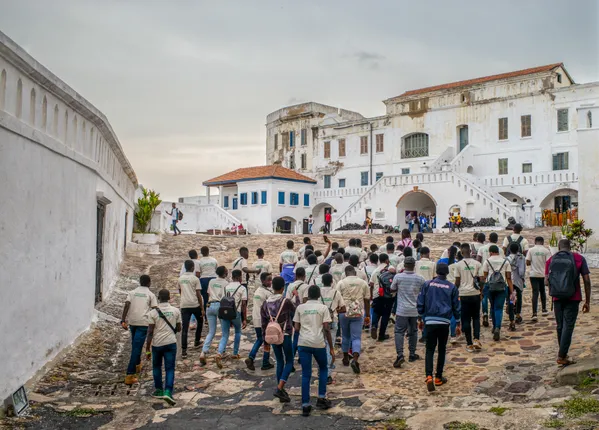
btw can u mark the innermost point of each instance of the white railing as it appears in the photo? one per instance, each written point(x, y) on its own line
point(534, 178)
point(339, 192)
point(445, 157)
point(464, 159)
point(497, 203)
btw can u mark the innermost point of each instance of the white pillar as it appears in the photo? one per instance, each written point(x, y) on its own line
point(515, 211)
point(208, 194)
point(529, 216)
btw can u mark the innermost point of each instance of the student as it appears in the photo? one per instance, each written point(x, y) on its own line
point(467, 279)
point(310, 224)
point(373, 249)
point(388, 239)
point(302, 250)
point(137, 305)
point(438, 301)
point(329, 257)
point(536, 258)
point(262, 293)
point(370, 267)
point(332, 299)
point(216, 291)
point(338, 269)
point(323, 269)
point(353, 249)
point(410, 221)
point(193, 256)
point(293, 289)
point(518, 265)
point(424, 266)
point(354, 261)
point(208, 267)
point(563, 281)
point(393, 257)
point(356, 295)
point(482, 256)
point(304, 261)
point(416, 246)
point(240, 322)
point(191, 304)
point(311, 321)
point(312, 269)
point(382, 304)
point(498, 265)
point(517, 237)
point(288, 258)
point(363, 254)
point(261, 265)
point(406, 238)
point(281, 310)
point(420, 237)
point(407, 284)
point(175, 218)
point(374, 287)
point(241, 263)
point(319, 256)
point(165, 323)
point(478, 242)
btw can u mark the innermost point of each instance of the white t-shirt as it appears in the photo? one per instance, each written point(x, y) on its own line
point(239, 296)
point(466, 270)
point(311, 274)
point(163, 334)
point(197, 267)
point(175, 214)
point(538, 256)
point(288, 257)
point(208, 267)
point(495, 262)
point(189, 284)
point(141, 301)
point(394, 260)
point(332, 299)
point(216, 289)
point(484, 254)
point(239, 263)
point(353, 250)
point(338, 271)
point(295, 285)
point(374, 280)
point(260, 296)
point(523, 244)
point(354, 289)
point(301, 263)
point(319, 284)
point(426, 268)
point(312, 315)
point(360, 274)
point(263, 265)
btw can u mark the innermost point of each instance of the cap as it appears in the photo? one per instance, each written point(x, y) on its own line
point(442, 269)
point(409, 261)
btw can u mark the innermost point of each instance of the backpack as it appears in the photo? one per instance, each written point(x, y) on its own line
point(274, 334)
point(228, 309)
point(474, 278)
point(179, 215)
point(510, 241)
point(385, 281)
point(496, 281)
point(562, 275)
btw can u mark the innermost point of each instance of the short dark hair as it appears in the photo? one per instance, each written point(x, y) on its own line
point(260, 252)
point(327, 279)
point(346, 256)
point(314, 292)
point(359, 243)
point(193, 254)
point(564, 244)
point(390, 247)
point(323, 268)
point(290, 244)
point(514, 248)
point(416, 243)
point(480, 237)
point(236, 274)
point(352, 242)
point(539, 240)
point(350, 271)
point(420, 237)
point(493, 249)
point(374, 247)
point(189, 265)
point(354, 260)
point(517, 228)
point(493, 237)
point(278, 283)
point(264, 275)
point(243, 249)
point(310, 247)
point(318, 252)
point(307, 253)
point(204, 250)
point(389, 239)
point(334, 245)
point(144, 280)
point(408, 251)
point(312, 259)
point(221, 271)
point(383, 258)
point(300, 271)
point(341, 250)
point(374, 258)
point(306, 240)
point(465, 247)
point(164, 295)
point(425, 250)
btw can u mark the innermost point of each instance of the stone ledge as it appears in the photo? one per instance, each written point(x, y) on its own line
point(575, 373)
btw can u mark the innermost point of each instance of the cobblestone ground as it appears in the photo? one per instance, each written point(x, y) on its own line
point(85, 388)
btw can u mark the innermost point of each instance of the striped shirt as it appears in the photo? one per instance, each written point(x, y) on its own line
point(407, 285)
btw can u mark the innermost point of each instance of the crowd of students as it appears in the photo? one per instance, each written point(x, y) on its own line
point(324, 298)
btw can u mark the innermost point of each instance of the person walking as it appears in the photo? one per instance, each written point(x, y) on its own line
point(164, 324)
point(137, 305)
point(327, 222)
point(437, 302)
point(235, 290)
point(497, 271)
point(241, 263)
point(518, 265)
point(482, 256)
point(207, 265)
point(262, 293)
point(407, 284)
point(332, 299)
point(312, 321)
point(216, 291)
point(467, 279)
point(562, 275)
point(174, 213)
point(382, 304)
point(424, 266)
point(516, 237)
point(191, 304)
point(536, 258)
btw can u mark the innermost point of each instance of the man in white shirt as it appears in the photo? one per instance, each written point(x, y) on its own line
point(338, 269)
point(496, 263)
point(355, 261)
point(516, 237)
point(261, 264)
point(164, 323)
point(192, 303)
point(216, 291)
point(302, 250)
point(352, 249)
point(193, 256)
point(482, 256)
point(241, 263)
point(288, 256)
point(393, 257)
point(262, 293)
point(312, 269)
point(425, 267)
point(208, 267)
point(331, 298)
point(536, 258)
point(174, 213)
point(236, 290)
point(137, 305)
point(467, 274)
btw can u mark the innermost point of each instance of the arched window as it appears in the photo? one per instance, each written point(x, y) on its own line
point(414, 146)
point(44, 113)
point(19, 109)
point(55, 121)
point(589, 119)
point(74, 132)
point(32, 107)
point(2, 88)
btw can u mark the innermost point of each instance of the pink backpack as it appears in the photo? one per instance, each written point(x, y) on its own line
point(274, 335)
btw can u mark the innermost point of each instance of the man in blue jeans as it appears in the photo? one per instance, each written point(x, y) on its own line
point(175, 214)
point(165, 322)
point(236, 290)
point(262, 293)
point(137, 305)
point(500, 265)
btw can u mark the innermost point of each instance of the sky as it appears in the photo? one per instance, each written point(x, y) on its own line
point(187, 84)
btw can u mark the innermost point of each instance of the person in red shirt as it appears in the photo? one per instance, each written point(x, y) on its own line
point(327, 222)
point(566, 310)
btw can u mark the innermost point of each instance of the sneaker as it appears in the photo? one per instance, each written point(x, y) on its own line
point(384, 338)
point(565, 361)
point(249, 363)
point(197, 345)
point(267, 366)
point(355, 366)
point(158, 394)
point(306, 411)
point(496, 334)
point(373, 331)
point(345, 361)
point(545, 312)
point(323, 403)
point(470, 348)
point(193, 326)
point(534, 318)
point(414, 358)
point(398, 362)
point(453, 340)
point(203, 359)
point(131, 379)
point(485, 320)
point(329, 380)
point(440, 381)
point(430, 384)
point(477, 344)
point(219, 361)
point(519, 319)
point(282, 395)
point(184, 353)
point(512, 326)
point(168, 398)
point(235, 357)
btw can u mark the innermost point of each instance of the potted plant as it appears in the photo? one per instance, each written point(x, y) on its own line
point(553, 243)
point(578, 235)
point(146, 205)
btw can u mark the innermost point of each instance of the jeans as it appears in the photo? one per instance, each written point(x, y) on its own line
point(226, 327)
point(351, 333)
point(320, 355)
point(497, 299)
point(169, 353)
point(453, 324)
point(382, 311)
point(310, 228)
point(257, 344)
point(284, 355)
point(295, 341)
point(436, 336)
point(538, 288)
point(566, 313)
point(330, 364)
point(516, 309)
point(186, 314)
point(327, 227)
point(138, 337)
point(212, 316)
point(471, 317)
point(175, 228)
point(204, 283)
point(403, 324)
point(486, 299)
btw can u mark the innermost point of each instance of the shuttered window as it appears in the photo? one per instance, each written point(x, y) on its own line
point(525, 126)
point(380, 146)
point(342, 147)
point(327, 149)
point(503, 129)
point(364, 145)
point(502, 166)
point(562, 120)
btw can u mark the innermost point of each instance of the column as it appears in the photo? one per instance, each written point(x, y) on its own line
point(208, 194)
point(515, 211)
point(529, 216)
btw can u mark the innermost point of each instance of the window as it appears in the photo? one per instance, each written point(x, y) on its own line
point(293, 199)
point(263, 197)
point(243, 199)
point(405, 171)
point(560, 161)
point(502, 128)
point(562, 120)
point(281, 197)
point(307, 200)
point(364, 145)
point(291, 139)
point(414, 146)
point(502, 166)
point(341, 183)
point(234, 203)
point(303, 160)
point(276, 140)
point(327, 149)
point(380, 146)
point(379, 175)
point(303, 137)
point(559, 78)
point(285, 137)
point(254, 197)
point(589, 119)
point(363, 178)
point(327, 181)
point(526, 167)
point(226, 201)
point(525, 128)
point(342, 147)
point(292, 161)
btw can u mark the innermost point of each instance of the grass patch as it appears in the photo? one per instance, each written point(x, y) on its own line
point(499, 411)
point(590, 381)
point(457, 425)
point(538, 406)
point(586, 425)
point(579, 406)
point(554, 423)
point(82, 412)
point(393, 424)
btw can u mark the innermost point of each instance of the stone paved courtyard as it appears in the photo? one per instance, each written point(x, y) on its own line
point(85, 388)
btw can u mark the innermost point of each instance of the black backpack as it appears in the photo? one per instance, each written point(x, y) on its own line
point(562, 275)
point(228, 309)
point(510, 241)
point(496, 281)
point(385, 281)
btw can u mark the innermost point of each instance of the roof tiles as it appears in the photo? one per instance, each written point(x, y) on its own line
point(275, 171)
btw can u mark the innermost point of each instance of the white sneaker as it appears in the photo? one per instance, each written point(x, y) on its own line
point(453, 340)
point(470, 348)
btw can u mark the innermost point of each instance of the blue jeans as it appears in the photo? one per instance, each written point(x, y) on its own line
point(330, 365)
point(138, 337)
point(295, 341)
point(486, 299)
point(284, 354)
point(320, 355)
point(351, 333)
point(257, 344)
point(226, 327)
point(452, 326)
point(175, 228)
point(497, 299)
point(212, 316)
point(169, 353)
point(204, 284)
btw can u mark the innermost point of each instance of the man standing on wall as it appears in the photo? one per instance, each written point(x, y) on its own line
point(310, 224)
point(175, 214)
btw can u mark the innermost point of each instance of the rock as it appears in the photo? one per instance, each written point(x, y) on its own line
point(520, 387)
point(533, 378)
point(575, 373)
point(95, 377)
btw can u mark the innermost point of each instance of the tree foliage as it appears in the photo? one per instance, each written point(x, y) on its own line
point(146, 205)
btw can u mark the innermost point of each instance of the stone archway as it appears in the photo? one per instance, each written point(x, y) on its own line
point(318, 213)
point(415, 201)
point(565, 197)
point(286, 225)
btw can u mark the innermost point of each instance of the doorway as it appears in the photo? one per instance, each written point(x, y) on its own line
point(463, 137)
point(100, 215)
point(235, 203)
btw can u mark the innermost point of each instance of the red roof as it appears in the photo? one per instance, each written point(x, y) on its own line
point(276, 171)
point(469, 82)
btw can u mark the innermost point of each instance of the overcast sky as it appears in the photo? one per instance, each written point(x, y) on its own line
point(187, 85)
